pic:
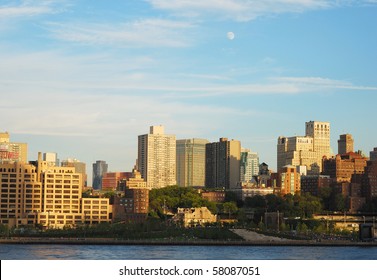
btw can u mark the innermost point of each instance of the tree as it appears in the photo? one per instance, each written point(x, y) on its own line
point(320, 229)
point(309, 205)
point(340, 202)
point(212, 206)
point(302, 228)
point(173, 197)
point(230, 196)
point(283, 227)
point(256, 201)
point(3, 230)
point(109, 194)
point(325, 195)
point(261, 226)
point(230, 208)
point(274, 202)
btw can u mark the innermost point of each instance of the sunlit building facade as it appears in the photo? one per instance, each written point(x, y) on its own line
point(38, 193)
point(249, 165)
point(345, 144)
point(305, 150)
point(157, 157)
point(10, 151)
point(191, 158)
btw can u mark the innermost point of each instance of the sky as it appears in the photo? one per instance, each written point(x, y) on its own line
point(84, 78)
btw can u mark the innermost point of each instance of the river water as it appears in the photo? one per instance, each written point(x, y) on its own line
point(128, 252)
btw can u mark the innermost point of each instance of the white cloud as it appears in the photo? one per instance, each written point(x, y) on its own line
point(15, 9)
point(142, 33)
point(40, 72)
point(310, 83)
point(239, 10)
point(23, 11)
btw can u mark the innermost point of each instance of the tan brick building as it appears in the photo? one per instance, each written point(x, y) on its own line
point(194, 216)
point(305, 150)
point(38, 193)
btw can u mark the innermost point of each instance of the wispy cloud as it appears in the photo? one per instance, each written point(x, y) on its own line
point(246, 10)
point(310, 83)
point(39, 72)
point(22, 9)
point(87, 114)
point(143, 33)
point(239, 10)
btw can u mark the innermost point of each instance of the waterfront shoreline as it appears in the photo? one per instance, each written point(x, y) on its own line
point(114, 241)
point(249, 238)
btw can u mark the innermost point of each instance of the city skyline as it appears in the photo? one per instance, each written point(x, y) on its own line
point(84, 79)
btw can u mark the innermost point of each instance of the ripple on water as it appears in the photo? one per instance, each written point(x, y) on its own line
point(132, 252)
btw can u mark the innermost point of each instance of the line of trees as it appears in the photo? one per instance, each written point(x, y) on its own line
point(167, 200)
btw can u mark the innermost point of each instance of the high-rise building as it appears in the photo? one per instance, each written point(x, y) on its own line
point(305, 150)
point(249, 165)
point(373, 154)
point(223, 164)
point(99, 168)
point(10, 151)
point(157, 157)
point(320, 132)
point(345, 144)
point(191, 158)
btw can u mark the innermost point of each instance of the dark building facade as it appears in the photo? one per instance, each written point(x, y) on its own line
point(99, 168)
point(223, 164)
point(313, 183)
point(370, 180)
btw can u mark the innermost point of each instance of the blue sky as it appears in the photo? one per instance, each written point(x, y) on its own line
point(85, 78)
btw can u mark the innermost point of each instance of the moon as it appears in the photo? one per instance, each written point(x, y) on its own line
point(230, 35)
